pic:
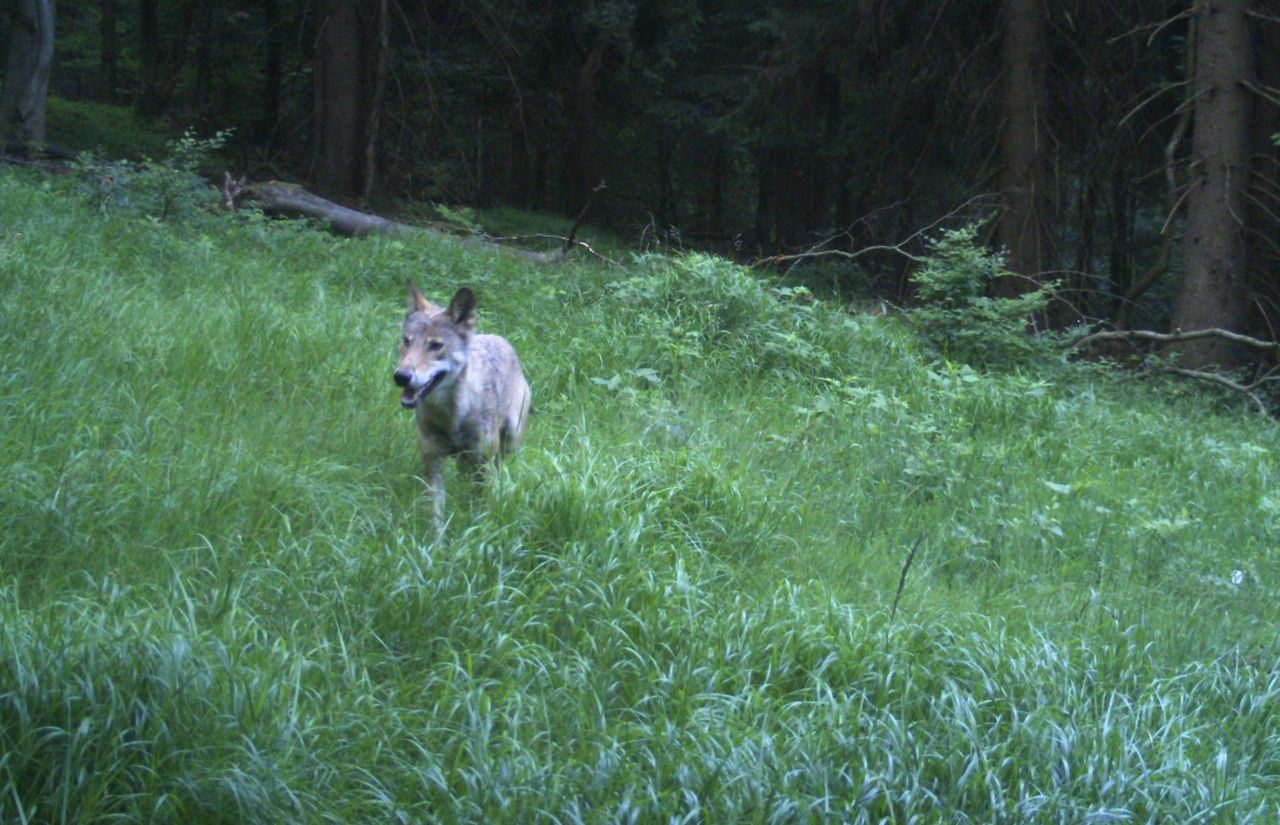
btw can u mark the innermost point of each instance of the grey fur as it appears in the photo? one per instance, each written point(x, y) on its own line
point(468, 392)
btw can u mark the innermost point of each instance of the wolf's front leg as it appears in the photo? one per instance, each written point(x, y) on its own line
point(433, 475)
point(478, 463)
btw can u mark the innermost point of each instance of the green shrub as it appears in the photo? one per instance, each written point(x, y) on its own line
point(957, 317)
point(163, 189)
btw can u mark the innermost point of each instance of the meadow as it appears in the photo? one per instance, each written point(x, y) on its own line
point(687, 599)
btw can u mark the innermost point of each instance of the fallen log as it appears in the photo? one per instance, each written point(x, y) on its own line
point(290, 199)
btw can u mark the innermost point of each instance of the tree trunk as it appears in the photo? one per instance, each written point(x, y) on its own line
point(766, 201)
point(273, 74)
point(666, 189)
point(1024, 147)
point(162, 58)
point(206, 36)
point(1213, 289)
point(108, 50)
point(1121, 246)
point(148, 50)
point(374, 108)
point(1264, 224)
point(576, 174)
point(715, 216)
point(339, 105)
point(26, 78)
point(520, 189)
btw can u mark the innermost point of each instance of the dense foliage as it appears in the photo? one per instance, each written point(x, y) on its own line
point(744, 127)
point(221, 598)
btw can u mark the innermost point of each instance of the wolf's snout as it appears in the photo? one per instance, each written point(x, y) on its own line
point(402, 378)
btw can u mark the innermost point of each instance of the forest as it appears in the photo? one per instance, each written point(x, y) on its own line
point(1123, 152)
point(902, 444)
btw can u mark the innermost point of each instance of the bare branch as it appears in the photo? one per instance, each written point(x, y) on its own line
point(816, 251)
point(1155, 27)
point(1174, 337)
point(902, 579)
point(1221, 380)
point(1266, 18)
point(1165, 88)
point(567, 242)
point(1267, 93)
point(573, 230)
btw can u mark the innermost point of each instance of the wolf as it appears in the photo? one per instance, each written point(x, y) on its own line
point(468, 393)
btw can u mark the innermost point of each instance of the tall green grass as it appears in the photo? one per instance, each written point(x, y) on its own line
point(221, 598)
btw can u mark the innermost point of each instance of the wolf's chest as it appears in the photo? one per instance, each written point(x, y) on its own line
point(447, 431)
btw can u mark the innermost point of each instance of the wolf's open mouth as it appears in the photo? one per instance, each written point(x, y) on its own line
point(410, 398)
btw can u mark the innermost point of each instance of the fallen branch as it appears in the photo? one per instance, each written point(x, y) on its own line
point(1244, 388)
point(902, 579)
point(1174, 337)
point(573, 230)
point(567, 242)
point(1222, 380)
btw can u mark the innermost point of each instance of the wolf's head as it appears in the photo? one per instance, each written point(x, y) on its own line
point(433, 347)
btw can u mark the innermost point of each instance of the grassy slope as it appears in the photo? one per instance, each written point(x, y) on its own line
point(221, 600)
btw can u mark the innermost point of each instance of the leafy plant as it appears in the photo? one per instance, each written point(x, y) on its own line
point(958, 317)
point(167, 188)
point(460, 216)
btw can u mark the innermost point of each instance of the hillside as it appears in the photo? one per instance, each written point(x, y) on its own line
point(222, 599)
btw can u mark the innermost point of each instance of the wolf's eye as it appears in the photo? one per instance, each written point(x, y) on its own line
point(435, 346)
point(404, 342)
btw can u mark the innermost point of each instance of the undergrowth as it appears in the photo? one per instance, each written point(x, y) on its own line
point(221, 598)
point(112, 131)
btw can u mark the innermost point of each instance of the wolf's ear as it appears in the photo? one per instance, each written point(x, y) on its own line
point(462, 309)
point(416, 302)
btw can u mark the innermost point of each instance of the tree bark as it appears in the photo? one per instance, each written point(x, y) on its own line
point(375, 106)
point(1213, 289)
point(666, 189)
point(1024, 146)
point(766, 201)
point(339, 110)
point(273, 71)
point(577, 174)
point(108, 50)
point(148, 49)
point(206, 37)
point(162, 58)
point(26, 78)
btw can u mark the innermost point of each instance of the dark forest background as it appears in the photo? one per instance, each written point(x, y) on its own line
point(1124, 149)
